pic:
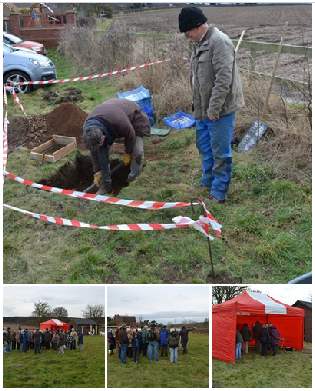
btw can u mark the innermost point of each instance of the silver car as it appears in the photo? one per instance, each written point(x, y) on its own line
point(21, 65)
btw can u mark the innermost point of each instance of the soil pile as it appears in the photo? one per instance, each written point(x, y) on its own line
point(65, 120)
point(69, 95)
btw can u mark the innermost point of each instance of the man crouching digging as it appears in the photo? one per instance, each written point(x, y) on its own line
point(115, 118)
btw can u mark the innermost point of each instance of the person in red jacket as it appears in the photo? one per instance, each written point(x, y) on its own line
point(115, 118)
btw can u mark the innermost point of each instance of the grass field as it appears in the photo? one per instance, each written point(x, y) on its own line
point(191, 370)
point(50, 369)
point(266, 221)
point(286, 370)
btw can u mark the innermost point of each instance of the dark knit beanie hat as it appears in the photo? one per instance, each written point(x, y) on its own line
point(189, 18)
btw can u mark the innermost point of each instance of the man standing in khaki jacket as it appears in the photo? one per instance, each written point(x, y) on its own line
point(217, 94)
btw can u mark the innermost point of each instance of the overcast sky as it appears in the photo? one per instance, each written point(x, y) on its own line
point(161, 303)
point(286, 293)
point(19, 300)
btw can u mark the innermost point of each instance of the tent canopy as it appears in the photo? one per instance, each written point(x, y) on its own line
point(248, 307)
point(54, 324)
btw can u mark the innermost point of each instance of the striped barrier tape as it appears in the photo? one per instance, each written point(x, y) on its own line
point(17, 100)
point(180, 222)
point(91, 77)
point(150, 205)
point(5, 132)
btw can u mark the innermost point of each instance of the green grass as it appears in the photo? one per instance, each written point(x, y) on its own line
point(286, 370)
point(73, 369)
point(191, 370)
point(266, 220)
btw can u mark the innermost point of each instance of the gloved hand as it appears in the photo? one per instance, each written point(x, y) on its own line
point(97, 178)
point(127, 159)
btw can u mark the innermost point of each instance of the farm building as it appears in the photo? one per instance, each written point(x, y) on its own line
point(128, 320)
point(86, 325)
point(307, 307)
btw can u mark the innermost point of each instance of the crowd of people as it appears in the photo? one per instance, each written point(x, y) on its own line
point(149, 341)
point(266, 336)
point(25, 340)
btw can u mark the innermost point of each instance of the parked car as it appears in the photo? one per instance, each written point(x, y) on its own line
point(13, 40)
point(23, 65)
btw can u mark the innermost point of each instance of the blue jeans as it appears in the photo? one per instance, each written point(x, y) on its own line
point(153, 345)
point(9, 346)
point(174, 355)
point(4, 349)
point(21, 346)
point(238, 350)
point(213, 140)
point(123, 352)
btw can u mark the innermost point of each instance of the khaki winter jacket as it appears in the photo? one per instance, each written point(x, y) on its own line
point(215, 82)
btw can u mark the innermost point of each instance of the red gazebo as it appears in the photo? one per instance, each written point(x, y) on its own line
point(247, 308)
point(54, 324)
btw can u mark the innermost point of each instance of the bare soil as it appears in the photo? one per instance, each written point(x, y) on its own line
point(65, 120)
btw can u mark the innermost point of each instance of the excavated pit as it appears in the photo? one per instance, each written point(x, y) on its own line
point(78, 175)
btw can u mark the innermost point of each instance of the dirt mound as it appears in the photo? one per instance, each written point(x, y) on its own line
point(69, 95)
point(66, 120)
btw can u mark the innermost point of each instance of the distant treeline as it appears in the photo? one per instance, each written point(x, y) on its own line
point(31, 320)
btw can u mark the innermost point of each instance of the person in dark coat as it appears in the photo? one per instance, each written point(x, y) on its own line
point(164, 334)
point(275, 339)
point(62, 341)
point(184, 337)
point(115, 118)
point(139, 336)
point(256, 330)
point(246, 335)
point(21, 341)
point(111, 342)
point(26, 340)
point(173, 341)
point(80, 340)
point(135, 348)
point(117, 341)
point(264, 340)
point(37, 340)
point(123, 342)
point(13, 340)
point(47, 338)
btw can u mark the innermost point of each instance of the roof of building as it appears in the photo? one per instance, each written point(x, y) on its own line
point(306, 303)
point(83, 321)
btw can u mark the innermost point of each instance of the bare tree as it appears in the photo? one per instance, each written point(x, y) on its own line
point(59, 312)
point(41, 310)
point(96, 9)
point(221, 294)
point(93, 311)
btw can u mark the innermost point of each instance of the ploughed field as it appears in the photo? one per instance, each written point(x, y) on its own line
point(261, 23)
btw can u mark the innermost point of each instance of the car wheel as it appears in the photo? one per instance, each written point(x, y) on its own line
point(18, 77)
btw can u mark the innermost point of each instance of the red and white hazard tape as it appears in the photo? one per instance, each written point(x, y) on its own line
point(17, 100)
point(83, 78)
point(150, 205)
point(5, 131)
point(180, 222)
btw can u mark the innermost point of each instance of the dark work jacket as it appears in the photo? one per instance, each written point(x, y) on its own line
point(246, 333)
point(37, 337)
point(184, 334)
point(123, 338)
point(123, 119)
point(264, 336)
